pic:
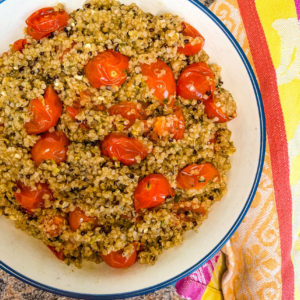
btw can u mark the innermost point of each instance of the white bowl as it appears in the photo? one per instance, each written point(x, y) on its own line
point(29, 260)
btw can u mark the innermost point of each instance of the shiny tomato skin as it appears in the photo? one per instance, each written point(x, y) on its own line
point(196, 82)
point(191, 48)
point(45, 112)
point(44, 21)
point(51, 145)
point(160, 80)
point(212, 111)
point(77, 217)
point(120, 147)
point(115, 259)
point(196, 176)
point(173, 124)
point(73, 111)
point(128, 110)
point(107, 68)
point(152, 191)
point(59, 254)
point(19, 45)
point(31, 199)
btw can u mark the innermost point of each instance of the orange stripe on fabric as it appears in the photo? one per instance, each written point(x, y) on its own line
point(276, 137)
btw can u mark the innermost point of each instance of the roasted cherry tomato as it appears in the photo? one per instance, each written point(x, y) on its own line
point(196, 82)
point(46, 20)
point(193, 47)
point(107, 68)
point(54, 226)
point(31, 199)
point(116, 259)
point(19, 45)
point(152, 191)
point(213, 111)
point(170, 125)
point(73, 111)
point(160, 80)
point(58, 254)
point(122, 148)
point(77, 217)
point(128, 110)
point(52, 145)
point(196, 176)
point(45, 112)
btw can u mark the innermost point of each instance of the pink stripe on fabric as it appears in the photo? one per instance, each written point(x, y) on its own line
point(193, 286)
point(297, 3)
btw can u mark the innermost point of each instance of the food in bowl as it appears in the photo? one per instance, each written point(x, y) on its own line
point(113, 136)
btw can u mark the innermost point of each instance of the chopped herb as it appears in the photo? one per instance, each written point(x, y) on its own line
point(177, 198)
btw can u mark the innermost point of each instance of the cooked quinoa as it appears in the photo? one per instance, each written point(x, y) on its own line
point(101, 187)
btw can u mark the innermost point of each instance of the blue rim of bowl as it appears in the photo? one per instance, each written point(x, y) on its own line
point(172, 280)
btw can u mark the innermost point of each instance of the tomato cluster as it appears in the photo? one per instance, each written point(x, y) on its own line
point(110, 68)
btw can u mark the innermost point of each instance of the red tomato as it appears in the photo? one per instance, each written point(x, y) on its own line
point(196, 81)
point(100, 107)
point(173, 124)
point(160, 80)
point(129, 111)
point(77, 216)
point(31, 199)
point(73, 111)
point(196, 176)
point(19, 45)
point(107, 68)
point(58, 254)
point(152, 191)
point(191, 48)
point(213, 111)
point(54, 226)
point(125, 149)
point(116, 259)
point(46, 20)
point(45, 112)
point(52, 145)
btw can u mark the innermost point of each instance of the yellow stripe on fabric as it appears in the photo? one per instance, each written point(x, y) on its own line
point(280, 24)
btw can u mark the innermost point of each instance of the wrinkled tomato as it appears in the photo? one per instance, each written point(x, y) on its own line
point(19, 45)
point(77, 217)
point(116, 259)
point(128, 110)
point(107, 68)
point(122, 148)
point(160, 80)
point(192, 47)
point(173, 124)
point(214, 112)
point(44, 21)
point(59, 254)
point(45, 112)
point(31, 199)
point(196, 82)
point(197, 176)
point(52, 145)
point(152, 191)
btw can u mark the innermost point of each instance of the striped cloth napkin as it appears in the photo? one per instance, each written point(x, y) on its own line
point(262, 259)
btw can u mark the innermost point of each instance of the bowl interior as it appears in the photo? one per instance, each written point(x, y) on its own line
point(34, 261)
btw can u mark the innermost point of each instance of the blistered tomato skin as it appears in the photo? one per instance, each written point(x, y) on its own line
point(152, 191)
point(191, 48)
point(107, 69)
point(120, 147)
point(45, 21)
point(197, 81)
point(160, 80)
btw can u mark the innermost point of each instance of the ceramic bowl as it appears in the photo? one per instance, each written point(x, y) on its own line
point(29, 260)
